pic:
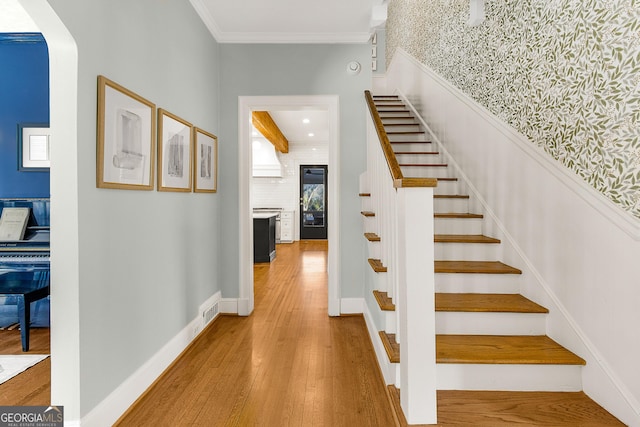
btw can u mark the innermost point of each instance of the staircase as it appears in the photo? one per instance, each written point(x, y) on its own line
point(488, 336)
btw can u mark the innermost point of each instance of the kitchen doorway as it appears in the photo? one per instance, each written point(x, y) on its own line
point(247, 104)
point(313, 202)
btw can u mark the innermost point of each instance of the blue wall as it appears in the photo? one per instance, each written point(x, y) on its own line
point(24, 98)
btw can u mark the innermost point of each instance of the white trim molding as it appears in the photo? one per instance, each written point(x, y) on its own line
point(351, 305)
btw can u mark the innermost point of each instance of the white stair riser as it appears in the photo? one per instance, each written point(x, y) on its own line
point(463, 323)
point(467, 251)
point(448, 187)
point(458, 226)
point(413, 146)
point(385, 107)
point(426, 171)
point(417, 137)
point(479, 283)
point(508, 377)
point(399, 120)
point(418, 158)
point(402, 128)
point(450, 205)
point(394, 112)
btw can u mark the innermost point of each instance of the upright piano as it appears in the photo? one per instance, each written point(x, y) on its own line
point(24, 264)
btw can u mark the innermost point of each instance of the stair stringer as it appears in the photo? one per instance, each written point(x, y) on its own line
point(560, 325)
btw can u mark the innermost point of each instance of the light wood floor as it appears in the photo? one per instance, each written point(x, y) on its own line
point(286, 364)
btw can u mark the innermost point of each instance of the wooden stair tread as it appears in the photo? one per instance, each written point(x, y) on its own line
point(368, 213)
point(409, 142)
point(401, 124)
point(390, 346)
point(372, 237)
point(464, 238)
point(434, 153)
point(475, 267)
point(450, 196)
point(377, 266)
point(457, 215)
point(512, 409)
point(489, 303)
point(407, 132)
point(398, 117)
point(429, 165)
point(384, 302)
point(501, 349)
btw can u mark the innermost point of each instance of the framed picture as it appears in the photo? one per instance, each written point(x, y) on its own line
point(126, 138)
point(175, 145)
point(33, 147)
point(205, 159)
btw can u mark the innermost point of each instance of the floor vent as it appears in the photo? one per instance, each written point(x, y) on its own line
point(209, 314)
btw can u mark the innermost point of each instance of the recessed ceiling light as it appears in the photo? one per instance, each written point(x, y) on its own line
point(256, 144)
point(305, 121)
point(311, 134)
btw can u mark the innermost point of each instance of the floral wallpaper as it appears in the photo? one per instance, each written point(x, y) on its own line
point(565, 73)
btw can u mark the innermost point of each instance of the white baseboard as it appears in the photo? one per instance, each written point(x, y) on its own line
point(110, 409)
point(229, 305)
point(351, 305)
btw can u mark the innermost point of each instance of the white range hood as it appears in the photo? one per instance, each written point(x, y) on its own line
point(265, 159)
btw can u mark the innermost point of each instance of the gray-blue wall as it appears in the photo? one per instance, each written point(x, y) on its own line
point(147, 259)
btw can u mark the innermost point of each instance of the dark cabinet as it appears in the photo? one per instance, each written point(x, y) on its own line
point(264, 237)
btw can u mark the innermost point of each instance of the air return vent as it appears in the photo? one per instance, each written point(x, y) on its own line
point(209, 314)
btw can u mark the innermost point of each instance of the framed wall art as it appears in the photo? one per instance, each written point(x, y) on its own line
point(126, 138)
point(175, 145)
point(33, 147)
point(205, 179)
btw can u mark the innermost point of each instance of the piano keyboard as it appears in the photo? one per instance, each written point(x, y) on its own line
point(26, 258)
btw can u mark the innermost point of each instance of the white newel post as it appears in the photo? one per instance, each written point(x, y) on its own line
point(416, 304)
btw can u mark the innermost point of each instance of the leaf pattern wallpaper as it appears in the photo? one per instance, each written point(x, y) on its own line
point(564, 73)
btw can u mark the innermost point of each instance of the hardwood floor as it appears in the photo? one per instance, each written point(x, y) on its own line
point(286, 364)
point(33, 386)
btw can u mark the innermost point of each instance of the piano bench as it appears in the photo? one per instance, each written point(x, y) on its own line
point(25, 288)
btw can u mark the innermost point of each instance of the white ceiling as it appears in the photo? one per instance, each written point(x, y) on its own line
point(296, 131)
point(291, 21)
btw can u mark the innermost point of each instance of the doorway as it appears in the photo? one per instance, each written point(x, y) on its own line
point(247, 104)
point(313, 202)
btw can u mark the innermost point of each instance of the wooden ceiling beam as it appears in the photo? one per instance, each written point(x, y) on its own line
point(269, 129)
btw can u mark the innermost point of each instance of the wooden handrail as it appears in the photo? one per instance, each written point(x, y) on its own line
point(399, 181)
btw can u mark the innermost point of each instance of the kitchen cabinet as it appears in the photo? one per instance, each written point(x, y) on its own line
point(264, 237)
point(286, 227)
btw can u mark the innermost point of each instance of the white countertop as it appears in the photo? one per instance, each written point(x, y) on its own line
point(262, 215)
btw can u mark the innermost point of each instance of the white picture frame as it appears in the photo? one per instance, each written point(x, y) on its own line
point(34, 147)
